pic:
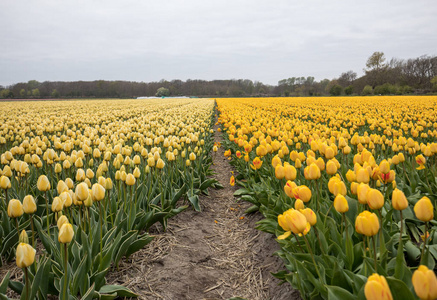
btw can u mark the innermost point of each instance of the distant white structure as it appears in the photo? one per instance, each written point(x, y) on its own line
point(153, 97)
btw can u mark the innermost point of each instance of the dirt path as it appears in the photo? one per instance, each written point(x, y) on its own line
point(214, 254)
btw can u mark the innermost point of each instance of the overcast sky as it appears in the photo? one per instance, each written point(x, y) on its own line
point(142, 40)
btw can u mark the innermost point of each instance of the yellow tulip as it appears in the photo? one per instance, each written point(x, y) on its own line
point(375, 199)
point(23, 238)
point(82, 191)
point(29, 205)
point(331, 168)
point(425, 283)
point(98, 192)
point(309, 215)
point(340, 204)
point(279, 172)
point(61, 221)
point(290, 172)
point(66, 233)
point(43, 183)
point(25, 255)
point(15, 208)
point(57, 204)
point(160, 163)
point(398, 200)
point(61, 187)
point(377, 288)
point(424, 209)
point(313, 171)
point(367, 223)
point(108, 184)
point(192, 156)
point(299, 204)
point(288, 188)
point(292, 220)
point(363, 175)
point(5, 183)
point(130, 179)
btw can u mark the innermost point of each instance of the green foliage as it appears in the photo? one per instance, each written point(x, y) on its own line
point(162, 92)
point(348, 90)
point(367, 91)
point(335, 90)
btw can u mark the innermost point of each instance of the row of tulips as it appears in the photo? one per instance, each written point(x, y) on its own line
point(346, 185)
point(86, 193)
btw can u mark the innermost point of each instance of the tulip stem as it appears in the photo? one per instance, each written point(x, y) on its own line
point(18, 230)
point(318, 238)
point(402, 228)
point(33, 231)
point(47, 208)
point(312, 256)
point(101, 229)
point(64, 292)
point(424, 242)
point(364, 254)
point(26, 276)
point(300, 247)
point(374, 253)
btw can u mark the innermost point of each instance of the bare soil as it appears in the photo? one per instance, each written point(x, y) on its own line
point(213, 254)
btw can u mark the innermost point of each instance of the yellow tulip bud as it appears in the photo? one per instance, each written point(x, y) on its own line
point(23, 238)
point(309, 215)
point(130, 179)
point(5, 183)
point(82, 191)
point(69, 183)
point(66, 233)
point(57, 204)
point(88, 201)
point(151, 162)
point(15, 208)
point(58, 168)
point(331, 167)
point(299, 204)
point(279, 172)
point(288, 188)
point(25, 255)
point(425, 283)
point(303, 193)
point(313, 172)
point(376, 288)
point(80, 175)
point(61, 221)
point(398, 200)
point(187, 163)
point(340, 204)
point(160, 164)
point(43, 183)
point(89, 174)
point(136, 173)
point(290, 172)
point(384, 167)
point(108, 184)
point(98, 192)
point(424, 209)
point(292, 220)
point(367, 223)
point(375, 199)
point(66, 198)
point(29, 205)
point(363, 175)
point(192, 156)
point(61, 187)
point(101, 181)
point(354, 188)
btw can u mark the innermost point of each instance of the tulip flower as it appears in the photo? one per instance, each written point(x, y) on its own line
point(425, 283)
point(375, 199)
point(367, 223)
point(232, 181)
point(290, 172)
point(130, 179)
point(340, 204)
point(82, 191)
point(65, 236)
point(424, 211)
point(98, 192)
point(377, 288)
point(279, 172)
point(420, 160)
point(43, 183)
point(298, 205)
point(331, 168)
point(257, 163)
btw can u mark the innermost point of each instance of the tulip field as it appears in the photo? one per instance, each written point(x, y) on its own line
point(346, 185)
point(83, 181)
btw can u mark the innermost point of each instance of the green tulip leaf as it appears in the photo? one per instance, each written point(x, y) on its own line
point(338, 293)
point(121, 291)
point(399, 289)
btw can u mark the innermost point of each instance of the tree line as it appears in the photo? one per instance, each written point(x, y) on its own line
point(381, 77)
